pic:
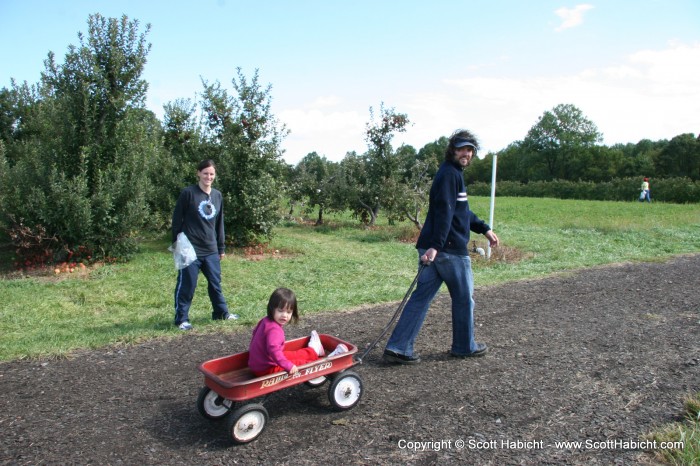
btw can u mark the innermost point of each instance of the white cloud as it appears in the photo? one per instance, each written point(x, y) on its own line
point(571, 17)
point(326, 101)
point(323, 129)
point(652, 94)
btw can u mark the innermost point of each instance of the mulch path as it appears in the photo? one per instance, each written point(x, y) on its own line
point(602, 356)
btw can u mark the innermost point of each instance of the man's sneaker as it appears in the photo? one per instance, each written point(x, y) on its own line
point(232, 317)
point(340, 349)
point(185, 326)
point(315, 344)
point(393, 356)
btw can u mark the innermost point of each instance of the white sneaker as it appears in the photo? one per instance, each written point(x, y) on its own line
point(315, 344)
point(185, 326)
point(340, 349)
point(232, 317)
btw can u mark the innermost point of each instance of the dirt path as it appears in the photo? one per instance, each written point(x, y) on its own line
point(600, 356)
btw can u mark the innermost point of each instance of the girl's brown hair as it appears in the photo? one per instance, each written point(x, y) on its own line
point(283, 298)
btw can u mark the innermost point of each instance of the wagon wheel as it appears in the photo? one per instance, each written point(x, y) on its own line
point(247, 422)
point(345, 391)
point(211, 405)
point(317, 382)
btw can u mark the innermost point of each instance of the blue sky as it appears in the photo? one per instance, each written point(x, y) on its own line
point(631, 66)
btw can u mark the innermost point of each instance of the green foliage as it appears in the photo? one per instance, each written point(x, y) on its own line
point(680, 157)
point(312, 182)
point(686, 435)
point(175, 168)
point(556, 141)
point(433, 154)
point(243, 137)
point(412, 186)
point(252, 211)
point(82, 146)
point(333, 267)
point(672, 190)
point(563, 145)
point(368, 181)
point(82, 163)
point(8, 115)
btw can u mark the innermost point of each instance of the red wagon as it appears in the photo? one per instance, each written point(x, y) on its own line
point(230, 387)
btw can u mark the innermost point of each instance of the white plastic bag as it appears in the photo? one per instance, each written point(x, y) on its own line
point(183, 251)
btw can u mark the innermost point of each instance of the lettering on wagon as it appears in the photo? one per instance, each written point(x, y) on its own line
point(274, 381)
point(305, 372)
point(317, 368)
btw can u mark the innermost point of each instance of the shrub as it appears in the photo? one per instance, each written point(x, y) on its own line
point(672, 190)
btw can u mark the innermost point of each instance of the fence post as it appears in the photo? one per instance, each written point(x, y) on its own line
point(493, 200)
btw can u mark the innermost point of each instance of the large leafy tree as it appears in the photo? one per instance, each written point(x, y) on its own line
point(314, 184)
point(415, 174)
point(557, 139)
point(83, 145)
point(511, 161)
point(182, 143)
point(373, 178)
point(8, 115)
point(243, 136)
point(680, 157)
point(433, 154)
point(20, 120)
point(96, 86)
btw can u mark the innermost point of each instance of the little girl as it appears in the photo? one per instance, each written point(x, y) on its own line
point(266, 354)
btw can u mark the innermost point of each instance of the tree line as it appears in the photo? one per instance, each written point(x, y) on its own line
point(86, 169)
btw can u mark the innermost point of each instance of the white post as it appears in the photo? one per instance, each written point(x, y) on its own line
point(493, 199)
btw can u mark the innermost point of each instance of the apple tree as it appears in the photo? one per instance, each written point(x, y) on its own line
point(83, 144)
point(314, 184)
point(371, 179)
point(243, 137)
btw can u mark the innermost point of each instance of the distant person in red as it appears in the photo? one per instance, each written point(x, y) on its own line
point(645, 195)
point(267, 354)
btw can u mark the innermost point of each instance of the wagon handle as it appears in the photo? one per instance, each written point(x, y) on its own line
point(397, 313)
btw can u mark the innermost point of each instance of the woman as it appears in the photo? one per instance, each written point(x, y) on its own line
point(199, 213)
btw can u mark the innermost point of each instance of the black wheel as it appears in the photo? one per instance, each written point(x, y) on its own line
point(247, 422)
point(345, 390)
point(317, 382)
point(211, 405)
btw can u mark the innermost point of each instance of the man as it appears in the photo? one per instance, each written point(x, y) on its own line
point(442, 245)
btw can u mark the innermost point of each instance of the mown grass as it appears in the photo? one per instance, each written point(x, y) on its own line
point(337, 266)
point(687, 433)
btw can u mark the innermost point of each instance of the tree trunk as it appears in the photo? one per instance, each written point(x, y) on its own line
point(415, 219)
point(374, 213)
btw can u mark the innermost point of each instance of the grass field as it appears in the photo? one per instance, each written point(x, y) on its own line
point(337, 266)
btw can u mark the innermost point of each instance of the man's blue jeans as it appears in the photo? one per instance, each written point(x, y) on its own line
point(187, 283)
point(456, 272)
